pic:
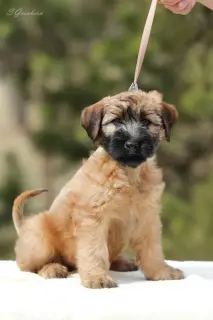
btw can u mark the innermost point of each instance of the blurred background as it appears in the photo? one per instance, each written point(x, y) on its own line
point(56, 57)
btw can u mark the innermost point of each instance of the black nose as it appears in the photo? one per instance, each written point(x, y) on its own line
point(131, 146)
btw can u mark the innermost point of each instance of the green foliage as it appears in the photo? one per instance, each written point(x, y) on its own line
point(79, 51)
point(188, 225)
point(11, 186)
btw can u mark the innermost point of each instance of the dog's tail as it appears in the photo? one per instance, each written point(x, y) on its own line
point(18, 206)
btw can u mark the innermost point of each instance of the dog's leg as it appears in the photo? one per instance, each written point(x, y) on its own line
point(35, 248)
point(92, 254)
point(53, 270)
point(146, 242)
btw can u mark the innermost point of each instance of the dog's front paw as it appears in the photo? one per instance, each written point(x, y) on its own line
point(167, 273)
point(99, 282)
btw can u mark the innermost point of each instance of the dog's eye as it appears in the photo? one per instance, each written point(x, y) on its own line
point(146, 122)
point(117, 121)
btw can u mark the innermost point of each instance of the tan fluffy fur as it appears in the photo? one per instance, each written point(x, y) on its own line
point(104, 208)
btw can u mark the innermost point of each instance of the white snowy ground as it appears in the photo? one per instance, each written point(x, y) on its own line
point(27, 296)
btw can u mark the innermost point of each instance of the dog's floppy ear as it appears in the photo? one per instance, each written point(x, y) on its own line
point(91, 118)
point(169, 116)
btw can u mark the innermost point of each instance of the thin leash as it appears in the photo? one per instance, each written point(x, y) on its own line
point(144, 43)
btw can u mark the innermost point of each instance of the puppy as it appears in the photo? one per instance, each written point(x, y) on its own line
point(113, 201)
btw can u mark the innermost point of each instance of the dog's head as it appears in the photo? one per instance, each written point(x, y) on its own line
point(130, 125)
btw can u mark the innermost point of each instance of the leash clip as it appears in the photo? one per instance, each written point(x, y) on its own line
point(133, 87)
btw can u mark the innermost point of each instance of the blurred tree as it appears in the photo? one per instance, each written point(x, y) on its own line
point(76, 52)
point(11, 186)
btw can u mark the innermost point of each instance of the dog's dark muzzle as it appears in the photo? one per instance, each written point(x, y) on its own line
point(131, 150)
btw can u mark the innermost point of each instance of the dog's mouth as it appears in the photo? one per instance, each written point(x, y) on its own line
point(131, 161)
point(134, 158)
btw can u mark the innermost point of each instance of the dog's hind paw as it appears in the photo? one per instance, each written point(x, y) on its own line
point(99, 282)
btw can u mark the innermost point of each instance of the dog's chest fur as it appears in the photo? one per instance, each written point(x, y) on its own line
point(107, 189)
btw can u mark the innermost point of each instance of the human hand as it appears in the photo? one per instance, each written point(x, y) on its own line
point(179, 6)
